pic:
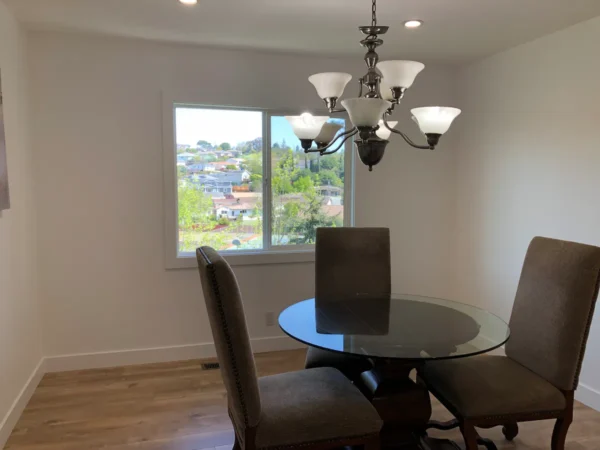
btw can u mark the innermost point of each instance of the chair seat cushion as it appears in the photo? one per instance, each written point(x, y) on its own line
point(350, 365)
point(486, 386)
point(311, 406)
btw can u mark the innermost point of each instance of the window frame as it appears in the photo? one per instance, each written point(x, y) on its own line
point(269, 254)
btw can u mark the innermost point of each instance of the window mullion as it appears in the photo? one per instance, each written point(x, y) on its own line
point(267, 194)
point(348, 182)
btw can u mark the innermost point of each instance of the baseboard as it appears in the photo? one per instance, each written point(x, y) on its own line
point(12, 416)
point(588, 396)
point(100, 360)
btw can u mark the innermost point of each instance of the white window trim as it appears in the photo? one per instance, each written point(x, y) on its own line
point(274, 254)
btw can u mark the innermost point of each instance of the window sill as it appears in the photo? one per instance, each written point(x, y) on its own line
point(188, 260)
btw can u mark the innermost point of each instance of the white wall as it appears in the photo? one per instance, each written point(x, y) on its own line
point(528, 164)
point(20, 344)
point(413, 192)
point(97, 116)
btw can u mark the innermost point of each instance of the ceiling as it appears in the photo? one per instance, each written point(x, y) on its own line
point(455, 30)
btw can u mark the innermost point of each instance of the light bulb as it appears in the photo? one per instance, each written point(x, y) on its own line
point(413, 23)
point(365, 112)
point(383, 132)
point(307, 126)
point(330, 84)
point(434, 119)
point(400, 73)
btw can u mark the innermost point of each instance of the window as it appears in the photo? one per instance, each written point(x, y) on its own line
point(307, 190)
point(243, 185)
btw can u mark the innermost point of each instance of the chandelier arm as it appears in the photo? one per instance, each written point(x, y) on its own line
point(360, 84)
point(407, 139)
point(351, 132)
point(339, 146)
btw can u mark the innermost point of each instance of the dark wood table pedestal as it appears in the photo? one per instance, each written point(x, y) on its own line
point(403, 404)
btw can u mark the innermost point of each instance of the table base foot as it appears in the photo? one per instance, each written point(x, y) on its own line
point(404, 405)
point(423, 443)
point(428, 443)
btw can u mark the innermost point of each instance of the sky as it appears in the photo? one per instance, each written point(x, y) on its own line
point(218, 126)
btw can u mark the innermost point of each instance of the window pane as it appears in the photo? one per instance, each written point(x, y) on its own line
point(308, 189)
point(219, 178)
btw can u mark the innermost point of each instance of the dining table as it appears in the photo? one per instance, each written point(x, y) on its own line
point(399, 334)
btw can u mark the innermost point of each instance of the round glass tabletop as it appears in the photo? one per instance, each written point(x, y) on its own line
point(396, 327)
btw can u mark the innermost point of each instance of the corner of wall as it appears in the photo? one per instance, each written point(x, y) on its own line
point(21, 367)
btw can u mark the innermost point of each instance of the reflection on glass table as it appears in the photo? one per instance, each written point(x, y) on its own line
point(399, 327)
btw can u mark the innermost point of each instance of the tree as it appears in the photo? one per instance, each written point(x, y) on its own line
point(329, 178)
point(285, 217)
point(194, 207)
point(331, 162)
point(231, 167)
point(225, 146)
point(282, 184)
point(312, 217)
point(301, 173)
point(256, 182)
point(181, 171)
point(315, 165)
point(304, 184)
point(204, 144)
point(287, 161)
point(254, 163)
point(253, 146)
point(283, 174)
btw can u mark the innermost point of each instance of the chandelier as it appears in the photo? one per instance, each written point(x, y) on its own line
point(381, 89)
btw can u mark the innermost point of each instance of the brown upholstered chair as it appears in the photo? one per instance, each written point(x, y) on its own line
point(537, 378)
point(349, 262)
point(312, 409)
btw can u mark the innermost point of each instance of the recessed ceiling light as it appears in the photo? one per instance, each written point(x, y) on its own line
point(189, 2)
point(413, 23)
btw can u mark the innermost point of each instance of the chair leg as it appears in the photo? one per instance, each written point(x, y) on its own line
point(444, 426)
point(559, 435)
point(469, 435)
point(510, 431)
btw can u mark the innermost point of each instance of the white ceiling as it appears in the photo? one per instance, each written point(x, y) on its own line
point(454, 30)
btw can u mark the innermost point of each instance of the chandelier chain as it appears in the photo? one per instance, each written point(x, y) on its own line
point(374, 14)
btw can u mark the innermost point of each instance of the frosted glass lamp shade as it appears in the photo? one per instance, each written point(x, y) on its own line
point(400, 73)
point(330, 84)
point(383, 132)
point(307, 126)
point(435, 119)
point(386, 91)
point(328, 132)
point(366, 112)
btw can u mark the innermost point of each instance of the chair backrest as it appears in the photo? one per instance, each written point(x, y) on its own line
point(230, 333)
point(553, 309)
point(351, 262)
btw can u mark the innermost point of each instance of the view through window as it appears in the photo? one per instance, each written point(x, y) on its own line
point(307, 189)
point(222, 196)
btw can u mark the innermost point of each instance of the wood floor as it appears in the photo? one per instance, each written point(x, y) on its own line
point(177, 406)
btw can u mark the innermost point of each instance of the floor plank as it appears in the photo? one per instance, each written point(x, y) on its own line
point(178, 406)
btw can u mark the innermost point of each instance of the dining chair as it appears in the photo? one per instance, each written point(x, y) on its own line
point(349, 262)
point(536, 380)
point(310, 409)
